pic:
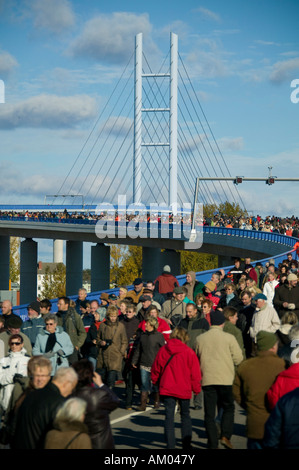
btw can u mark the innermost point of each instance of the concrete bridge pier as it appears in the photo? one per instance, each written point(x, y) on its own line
point(224, 261)
point(4, 262)
point(28, 271)
point(173, 259)
point(151, 263)
point(100, 267)
point(74, 266)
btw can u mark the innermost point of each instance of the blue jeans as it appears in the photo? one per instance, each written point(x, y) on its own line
point(93, 361)
point(146, 384)
point(169, 430)
point(108, 376)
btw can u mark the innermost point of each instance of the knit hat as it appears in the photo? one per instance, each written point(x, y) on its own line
point(211, 285)
point(137, 281)
point(292, 277)
point(14, 322)
point(166, 269)
point(35, 306)
point(217, 317)
point(265, 340)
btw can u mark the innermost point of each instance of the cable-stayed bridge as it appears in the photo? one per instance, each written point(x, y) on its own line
point(150, 150)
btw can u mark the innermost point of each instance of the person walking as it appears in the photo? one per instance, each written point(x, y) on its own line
point(37, 412)
point(150, 341)
point(253, 379)
point(53, 343)
point(69, 430)
point(101, 401)
point(177, 371)
point(218, 354)
point(112, 344)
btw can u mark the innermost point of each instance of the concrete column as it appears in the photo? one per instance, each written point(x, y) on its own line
point(151, 263)
point(28, 271)
point(100, 267)
point(74, 266)
point(173, 259)
point(57, 251)
point(4, 262)
point(224, 261)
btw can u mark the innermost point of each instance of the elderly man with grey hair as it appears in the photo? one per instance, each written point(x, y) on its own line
point(286, 296)
point(38, 410)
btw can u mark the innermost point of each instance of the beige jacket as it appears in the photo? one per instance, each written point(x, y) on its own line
point(218, 354)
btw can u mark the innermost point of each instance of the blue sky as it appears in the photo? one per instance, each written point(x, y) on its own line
point(60, 61)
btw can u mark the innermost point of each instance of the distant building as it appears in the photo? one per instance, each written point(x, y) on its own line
point(43, 269)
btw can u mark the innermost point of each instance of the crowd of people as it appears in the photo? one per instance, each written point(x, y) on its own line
point(283, 225)
point(232, 339)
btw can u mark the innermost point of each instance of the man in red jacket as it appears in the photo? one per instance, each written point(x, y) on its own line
point(166, 282)
point(176, 369)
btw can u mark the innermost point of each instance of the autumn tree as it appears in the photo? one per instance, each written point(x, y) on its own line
point(14, 259)
point(125, 264)
point(54, 282)
point(197, 262)
point(226, 208)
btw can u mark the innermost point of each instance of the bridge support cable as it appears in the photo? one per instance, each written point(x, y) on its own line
point(108, 102)
point(208, 125)
point(101, 150)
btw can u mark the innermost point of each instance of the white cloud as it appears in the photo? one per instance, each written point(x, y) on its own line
point(48, 111)
point(119, 126)
point(284, 70)
point(208, 14)
point(227, 143)
point(260, 42)
point(55, 16)
point(110, 38)
point(7, 64)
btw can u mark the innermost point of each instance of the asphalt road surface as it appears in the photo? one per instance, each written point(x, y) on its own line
point(145, 429)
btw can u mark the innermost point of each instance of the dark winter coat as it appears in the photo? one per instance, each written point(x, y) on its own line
point(72, 324)
point(194, 327)
point(286, 293)
point(282, 427)
point(147, 348)
point(100, 402)
point(36, 416)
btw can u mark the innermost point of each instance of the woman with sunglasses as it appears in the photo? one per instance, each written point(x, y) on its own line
point(15, 363)
point(54, 343)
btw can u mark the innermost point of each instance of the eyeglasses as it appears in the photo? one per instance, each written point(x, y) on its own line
point(50, 324)
point(15, 344)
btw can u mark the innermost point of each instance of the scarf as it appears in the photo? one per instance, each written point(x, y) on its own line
point(50, 342)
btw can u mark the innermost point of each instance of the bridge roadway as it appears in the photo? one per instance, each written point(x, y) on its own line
point(152, 237)
point(214, 240)
point(145, 429)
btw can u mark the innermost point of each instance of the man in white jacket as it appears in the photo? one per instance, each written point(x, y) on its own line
point(265, 317)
